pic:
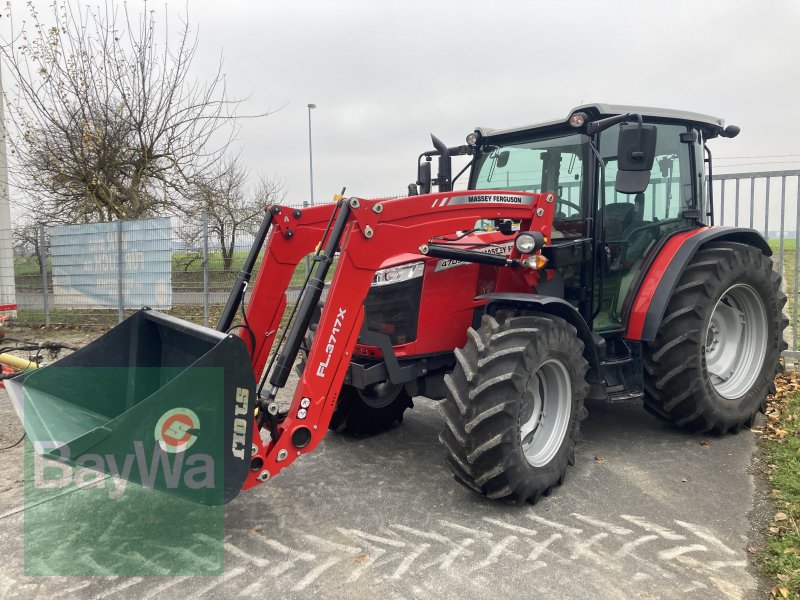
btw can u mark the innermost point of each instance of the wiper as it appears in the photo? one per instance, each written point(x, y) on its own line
point(492, 157)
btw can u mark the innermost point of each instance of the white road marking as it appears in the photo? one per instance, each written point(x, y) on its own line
point(123, 586)
point(292, 555)
point(218, 580)
point(276, 545)
point(158, 591)
point(554, 525)
point(408, 560)
point(429, 535)
point(583, 548)
point(373, 552)
point(329, 545)
point(373, 538)
point(254, 560)
point(516, 528)
point(469, 530)
point(678, 550)
point(615, 529)
point(252, 589)
point(443, 560)
point(312, 575)
point(630, 546)
point(695, 585)
point(540, 547)
point(664, 532)
point(496, 551)
point(706, 535)
point(721, 564)
point(448, 558)
point(72, 590)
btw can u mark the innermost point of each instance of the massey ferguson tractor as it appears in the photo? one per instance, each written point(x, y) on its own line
point(580, 262)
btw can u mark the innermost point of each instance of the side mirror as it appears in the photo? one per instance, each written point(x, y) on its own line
point(424, 177)
point(502, 158)
point(636, 151)
point(444, 175)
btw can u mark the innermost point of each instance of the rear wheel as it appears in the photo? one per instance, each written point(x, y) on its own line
point(513, 407)
point(716, 353)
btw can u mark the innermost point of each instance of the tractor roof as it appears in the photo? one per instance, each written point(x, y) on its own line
point(600, 110)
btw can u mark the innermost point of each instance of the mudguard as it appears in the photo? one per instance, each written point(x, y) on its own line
point(648, 301)
point(594, 344)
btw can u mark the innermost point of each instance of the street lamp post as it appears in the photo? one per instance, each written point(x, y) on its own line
point(310, 154)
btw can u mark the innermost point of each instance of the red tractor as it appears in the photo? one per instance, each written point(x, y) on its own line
point(580, 262)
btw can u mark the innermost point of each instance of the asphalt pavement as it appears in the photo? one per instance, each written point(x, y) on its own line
point(647, 512)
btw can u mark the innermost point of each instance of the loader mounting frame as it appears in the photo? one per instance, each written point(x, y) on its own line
point(365, 232)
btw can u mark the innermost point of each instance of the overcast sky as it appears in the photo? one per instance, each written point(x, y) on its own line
point(385, 74)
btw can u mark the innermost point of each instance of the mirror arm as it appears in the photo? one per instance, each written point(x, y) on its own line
point(603, 124)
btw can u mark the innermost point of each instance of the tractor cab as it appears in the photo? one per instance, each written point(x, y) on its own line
point(604, 207)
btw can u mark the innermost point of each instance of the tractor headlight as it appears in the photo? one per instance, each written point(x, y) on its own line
point(528, 242)
point(399, 273)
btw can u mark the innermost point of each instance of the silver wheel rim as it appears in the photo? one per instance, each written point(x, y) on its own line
point(736, 341)
point(549, 403)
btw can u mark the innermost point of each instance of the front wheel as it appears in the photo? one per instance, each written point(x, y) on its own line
point(375, 409)
point(716, 353)
point(370, 411)
point(513, 407)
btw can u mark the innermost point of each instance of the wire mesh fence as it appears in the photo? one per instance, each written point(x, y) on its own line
point(95, 275)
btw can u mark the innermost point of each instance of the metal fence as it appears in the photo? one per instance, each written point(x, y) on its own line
point(768, 201)
point(97, 278)
point(96, 275)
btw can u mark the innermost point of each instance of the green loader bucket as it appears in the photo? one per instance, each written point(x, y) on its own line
point(158, 401)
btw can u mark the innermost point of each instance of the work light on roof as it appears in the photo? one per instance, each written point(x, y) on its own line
point(473, 138)
point(577, 119)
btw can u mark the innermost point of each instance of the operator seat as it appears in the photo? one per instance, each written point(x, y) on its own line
point(619, 217)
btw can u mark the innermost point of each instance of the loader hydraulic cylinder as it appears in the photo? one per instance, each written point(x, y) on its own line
point(310, 299)
point(239, 287)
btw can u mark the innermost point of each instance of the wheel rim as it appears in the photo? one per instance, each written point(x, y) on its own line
point(736, 341)
point(542, 433)
point(380, 395)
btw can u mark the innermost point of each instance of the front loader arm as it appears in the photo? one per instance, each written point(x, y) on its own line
point(372, 231)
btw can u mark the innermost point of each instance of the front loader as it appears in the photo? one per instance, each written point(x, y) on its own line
point(541, 285)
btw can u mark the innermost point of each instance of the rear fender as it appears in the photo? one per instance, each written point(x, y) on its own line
point(650, 299)
point(594, 345)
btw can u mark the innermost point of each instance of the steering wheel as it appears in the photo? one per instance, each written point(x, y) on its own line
point(568, 203)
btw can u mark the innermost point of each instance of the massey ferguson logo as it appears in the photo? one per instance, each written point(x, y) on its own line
point(329, 348)
point(175, 430)
point(491, 198)
point(509, 199)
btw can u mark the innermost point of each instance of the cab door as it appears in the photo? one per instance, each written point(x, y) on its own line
point(634, 223)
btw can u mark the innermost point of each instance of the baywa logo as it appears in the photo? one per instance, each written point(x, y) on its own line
point(168, 466)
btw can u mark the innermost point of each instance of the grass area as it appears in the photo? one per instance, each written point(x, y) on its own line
point(781, 444)
point(789, 249)
point(187, 271)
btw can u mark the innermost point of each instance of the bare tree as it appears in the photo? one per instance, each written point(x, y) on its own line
point(26, 230)
point(233, 208)
point(105, 120)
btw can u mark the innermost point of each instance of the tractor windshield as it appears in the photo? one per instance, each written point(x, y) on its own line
point(552, 164)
